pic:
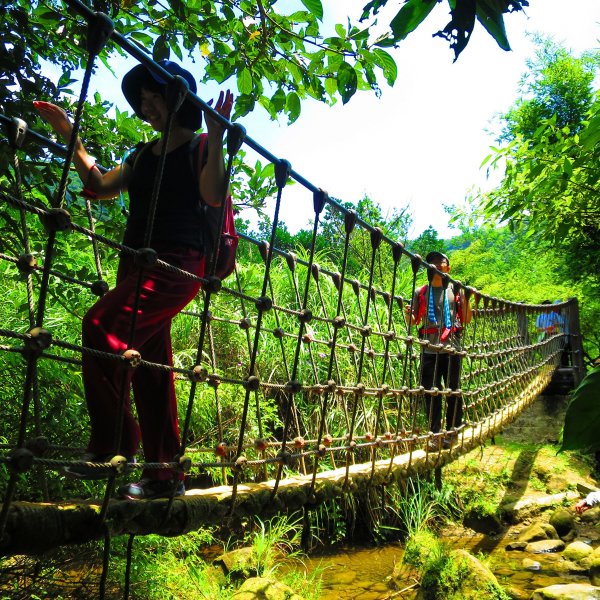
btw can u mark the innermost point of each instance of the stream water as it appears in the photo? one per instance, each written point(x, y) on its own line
point(362, 573)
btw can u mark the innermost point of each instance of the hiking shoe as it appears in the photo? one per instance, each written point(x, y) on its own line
point(97, 466)
point(148, 489)
point(434, 444)
point(450, 439)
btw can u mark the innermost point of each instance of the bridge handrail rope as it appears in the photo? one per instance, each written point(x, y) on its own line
point(349, 356)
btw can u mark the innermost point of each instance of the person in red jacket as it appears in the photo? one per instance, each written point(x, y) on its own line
point(176, 236)
point(441, 316)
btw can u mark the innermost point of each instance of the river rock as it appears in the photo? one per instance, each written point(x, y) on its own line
point(592, 515)
point(261, 588)
point(543, 546)
point(577, 550)
point(241, 562)
point(479, 580)
point(571, 567)
point(595, 567)
point(563, 521)
point(516, 546)
point(569, 591)
point(538, 531)
point(531, 565)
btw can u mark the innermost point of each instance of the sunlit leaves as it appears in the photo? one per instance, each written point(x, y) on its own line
point(244, 81)
point(315, 7)
point(387, 64)
point(493, 21)
point(409, 17)
point(460, 27)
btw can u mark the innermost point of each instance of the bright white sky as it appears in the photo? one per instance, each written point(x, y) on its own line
point(422, 142)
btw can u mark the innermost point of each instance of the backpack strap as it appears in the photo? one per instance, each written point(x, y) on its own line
point(198, 156)
point(422, 308)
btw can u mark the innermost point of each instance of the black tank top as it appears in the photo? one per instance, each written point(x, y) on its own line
point(178, 217)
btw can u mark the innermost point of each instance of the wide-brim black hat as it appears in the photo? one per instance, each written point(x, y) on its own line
point(188, 115)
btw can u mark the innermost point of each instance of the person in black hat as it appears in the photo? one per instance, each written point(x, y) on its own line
point(442, 315)
point(176, 236)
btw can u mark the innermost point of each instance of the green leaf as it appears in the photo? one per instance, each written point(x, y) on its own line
point(161, 48)
point(489, 14)
point(582, 419)
point(409, 17)
point(143, 38)
point(244, 81)
point(346, 81)
point(567, 167)
point(388, 65)
point(292, 105)
point(315, 7)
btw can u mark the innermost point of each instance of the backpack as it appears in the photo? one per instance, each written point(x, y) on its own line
point(456, 328)
point(224, 241)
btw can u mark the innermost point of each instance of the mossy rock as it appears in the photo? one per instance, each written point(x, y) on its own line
point(563, 521)
point(570, 591)
point(594, 564)
point(538, 531)
point(545, 546)
point(261, 588)
point(462, 576)
point(238, 563)
point(577, 551)
point(480, 581)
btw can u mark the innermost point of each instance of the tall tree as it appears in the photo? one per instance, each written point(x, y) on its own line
point(552, 168)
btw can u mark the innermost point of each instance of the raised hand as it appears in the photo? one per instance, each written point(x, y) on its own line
point(223, 107)
point(56, 117)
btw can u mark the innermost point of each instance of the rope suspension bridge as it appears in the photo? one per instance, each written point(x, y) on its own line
point(301, 375)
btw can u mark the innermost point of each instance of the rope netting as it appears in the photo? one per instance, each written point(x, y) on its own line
point(297, 365)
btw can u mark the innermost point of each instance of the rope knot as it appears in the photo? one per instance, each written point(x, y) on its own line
point(214, 381)
point(38, 445)
point(294, 386)
point(199, 374)
point(56, 219)
point(327, 440)
point(213, 284)
point(221, 449)
point(339, 322)
point(305, 316)
point(146, 257)
point(264, 303)
point(20, 460)
point(252, 383)
point(240, 463)
point(26, 264)
point(284, 458)
point(99, 288)
point(184, 463)
point(39, 339)
point(261, 444)
point(244, 323)
point(133, 357)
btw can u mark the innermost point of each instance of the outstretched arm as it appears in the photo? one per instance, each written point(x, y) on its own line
point(465, 307)
point(104, 185)
point(213, 186)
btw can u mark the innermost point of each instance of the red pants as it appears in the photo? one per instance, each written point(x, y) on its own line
point(107, 327)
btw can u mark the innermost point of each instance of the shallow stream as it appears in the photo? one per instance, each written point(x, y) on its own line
point(362, 573)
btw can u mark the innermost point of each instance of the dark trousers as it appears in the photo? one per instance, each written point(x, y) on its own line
point(107, 327)
point(435, 370)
